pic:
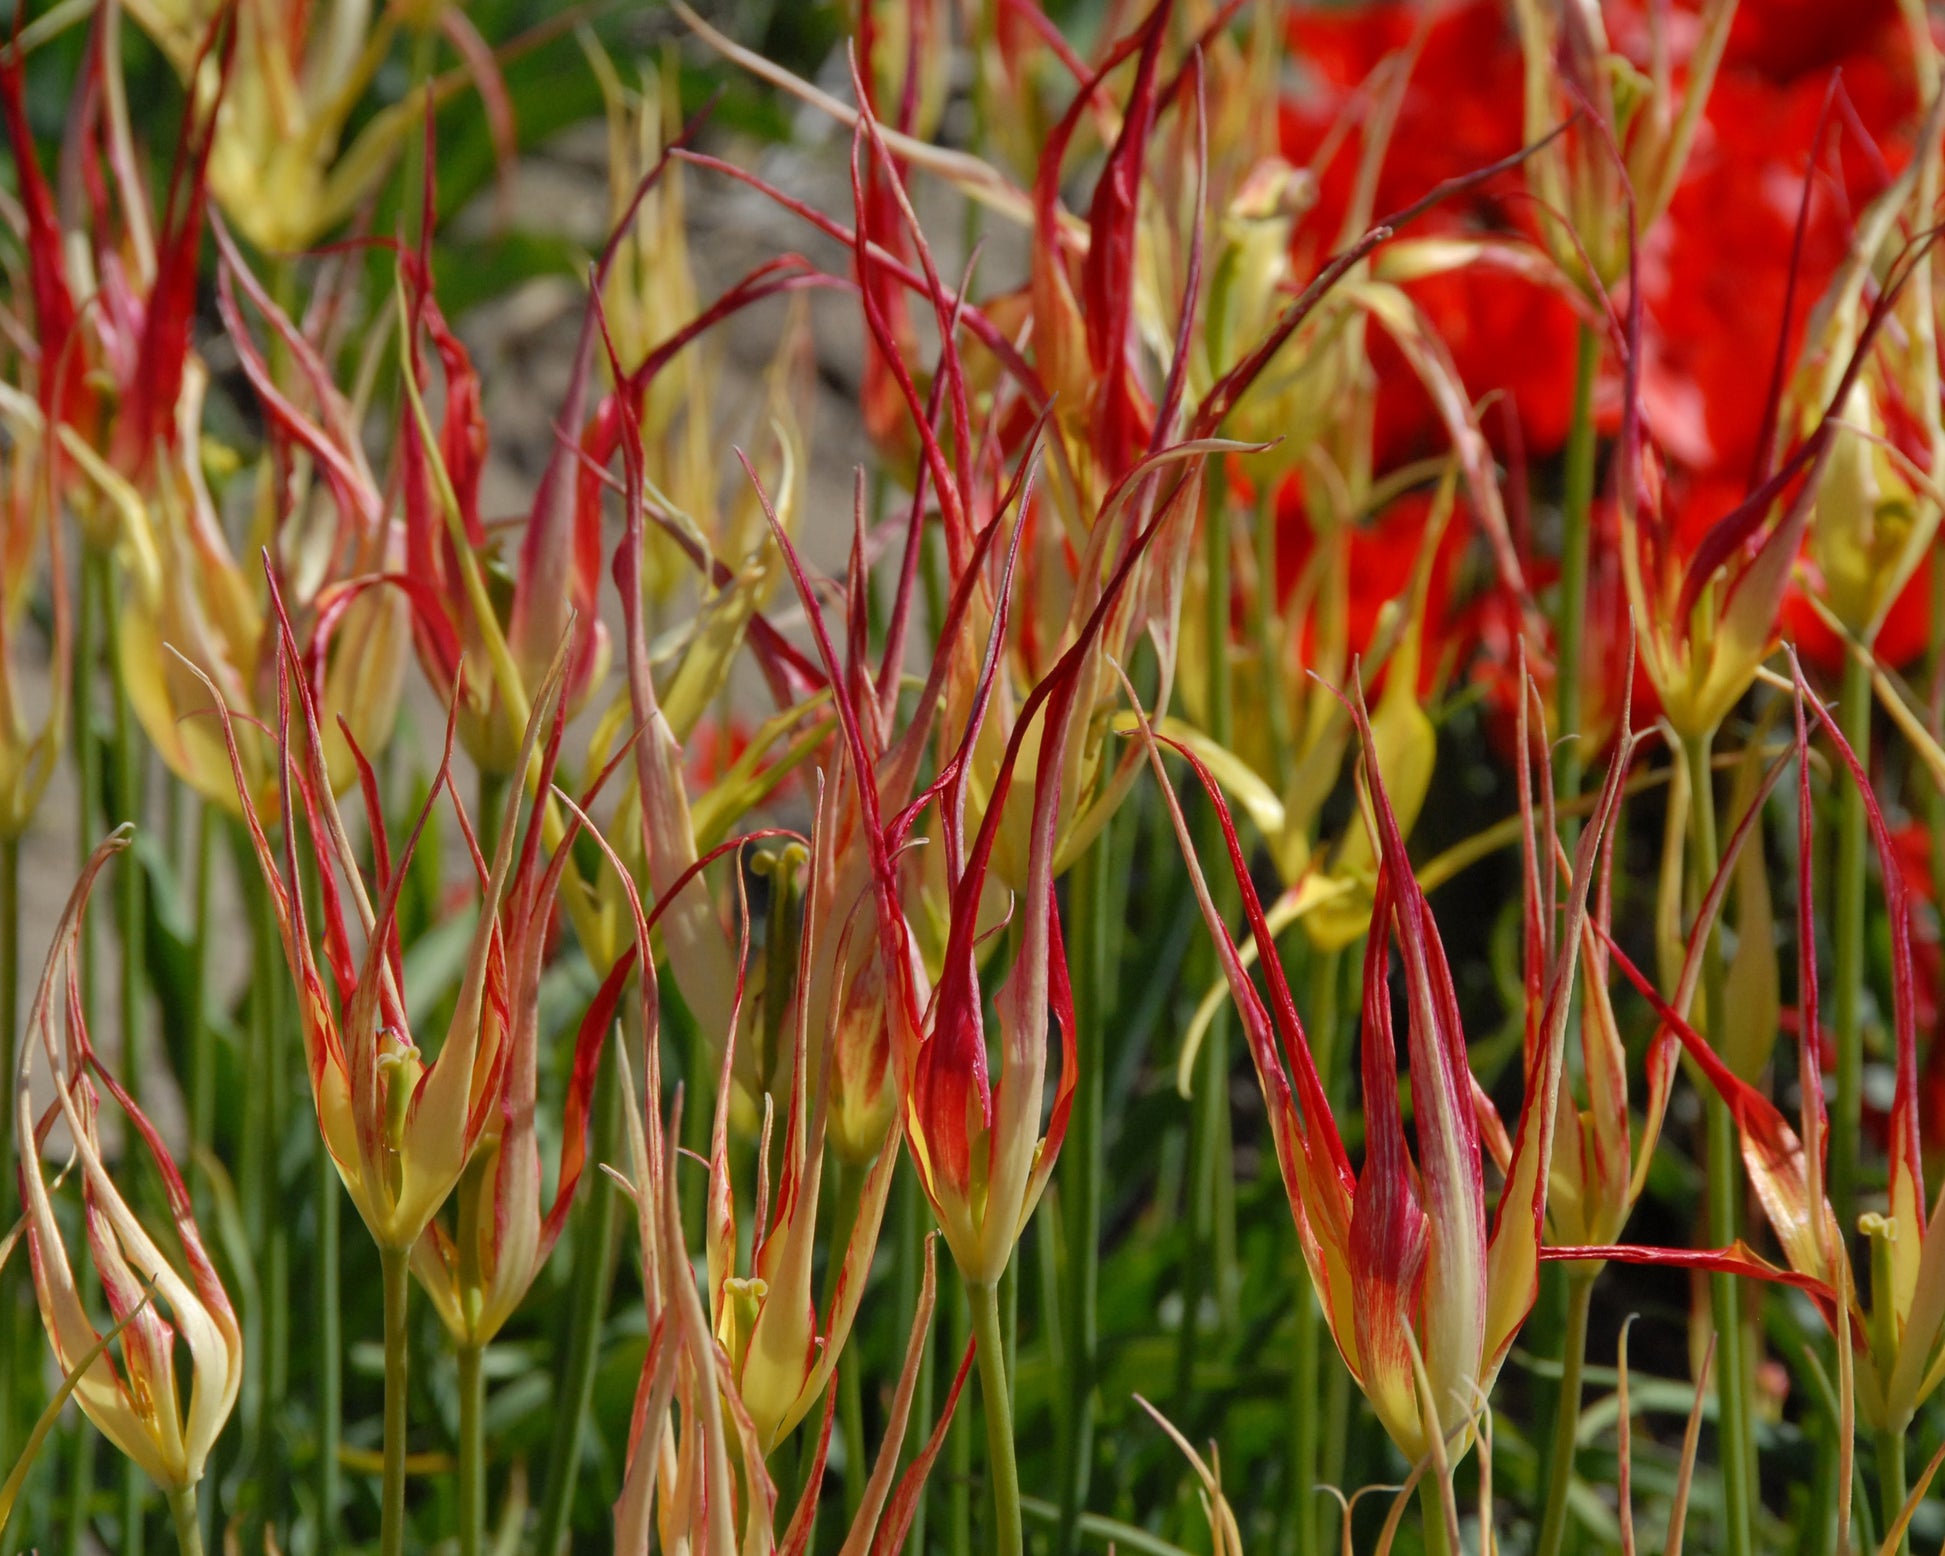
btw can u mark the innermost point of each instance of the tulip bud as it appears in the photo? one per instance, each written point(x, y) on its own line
point(400, 1129)
point(138, 1405)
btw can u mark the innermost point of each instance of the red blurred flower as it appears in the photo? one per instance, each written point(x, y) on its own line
point(1382, 552)
point(1715, 291)
point(1786, 39)
point(1903, 638)
point(1461, 110)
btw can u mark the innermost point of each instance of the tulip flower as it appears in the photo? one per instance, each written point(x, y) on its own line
point(280, 168)
point(29, 751)
point(448, 555)
point(1625, 165)
point(653, 312)
point(1707, 619)
point(901, 67)
point(192, 611)
point(1422, 1299)
point(1876, 509)
point(681, 1476)
point(400, 1130)
point(113, 299)
point(978, 1145)
point(138, 1404)
point(782, 1344)
point(478, 1272)
point(477, 1275)
point(780, 1351)
point(657, 823)
point(1895, 1337)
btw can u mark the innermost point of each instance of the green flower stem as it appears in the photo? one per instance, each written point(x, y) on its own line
point(87, 796)
point(589, 1281)
point(1270, 640)
point(995, 1395)
point(1081, 1168)
point(10, 1302)
point(189, 1526)
point(272, 1056)
point(959, 1455)
point(849, 1186)
point(489, 808)
point(396, 1267)
point(913, 1221)
point(133, 1495)
point(1738, 1452)
point(1892, 1486)
point(1211, 1242)
point(1566, 1418)
point(125, 773)
point(87, 760)
point(1431, 1510)
point(1847, 962)
point(1576, 511)
point(472, 1448)
point(202, 1033)
point(850, 1422)
point(327, 1355)
point(1301, 1534)
point(81, 1486)
point(128, 872)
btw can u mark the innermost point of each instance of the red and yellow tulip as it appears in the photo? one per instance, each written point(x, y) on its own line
point(139, 1403)
point(1423, 1290)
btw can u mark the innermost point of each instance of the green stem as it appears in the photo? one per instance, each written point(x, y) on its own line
point(134, 1493)
point(489, 809)
point(1738, 1453)
point(81, 1485)
point(959, 1445)
point(1270, 640)
point(1209, 1159)
point(1431, 1510)
point(128, 906)
point(590, 1278)
point(274, 1234)
point(1301, 1534)
point(189, 1526)
point(1892, 1487)
point(87, 795)
point(128, 873)
point(1337, 1419)
point(1847, 962)
point(913, 1219)
point(850, 1386)
point(472, 1448)
point(1566, 1420)
point(995, 1395)
point(202, 1032)
point(395, 1264)
point(1081, 1171)
point(10, 1289)
point(850, 1420)
point(1576, 508)
point(328, 1352)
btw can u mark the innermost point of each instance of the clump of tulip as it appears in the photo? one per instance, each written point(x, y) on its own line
point(654, 775)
